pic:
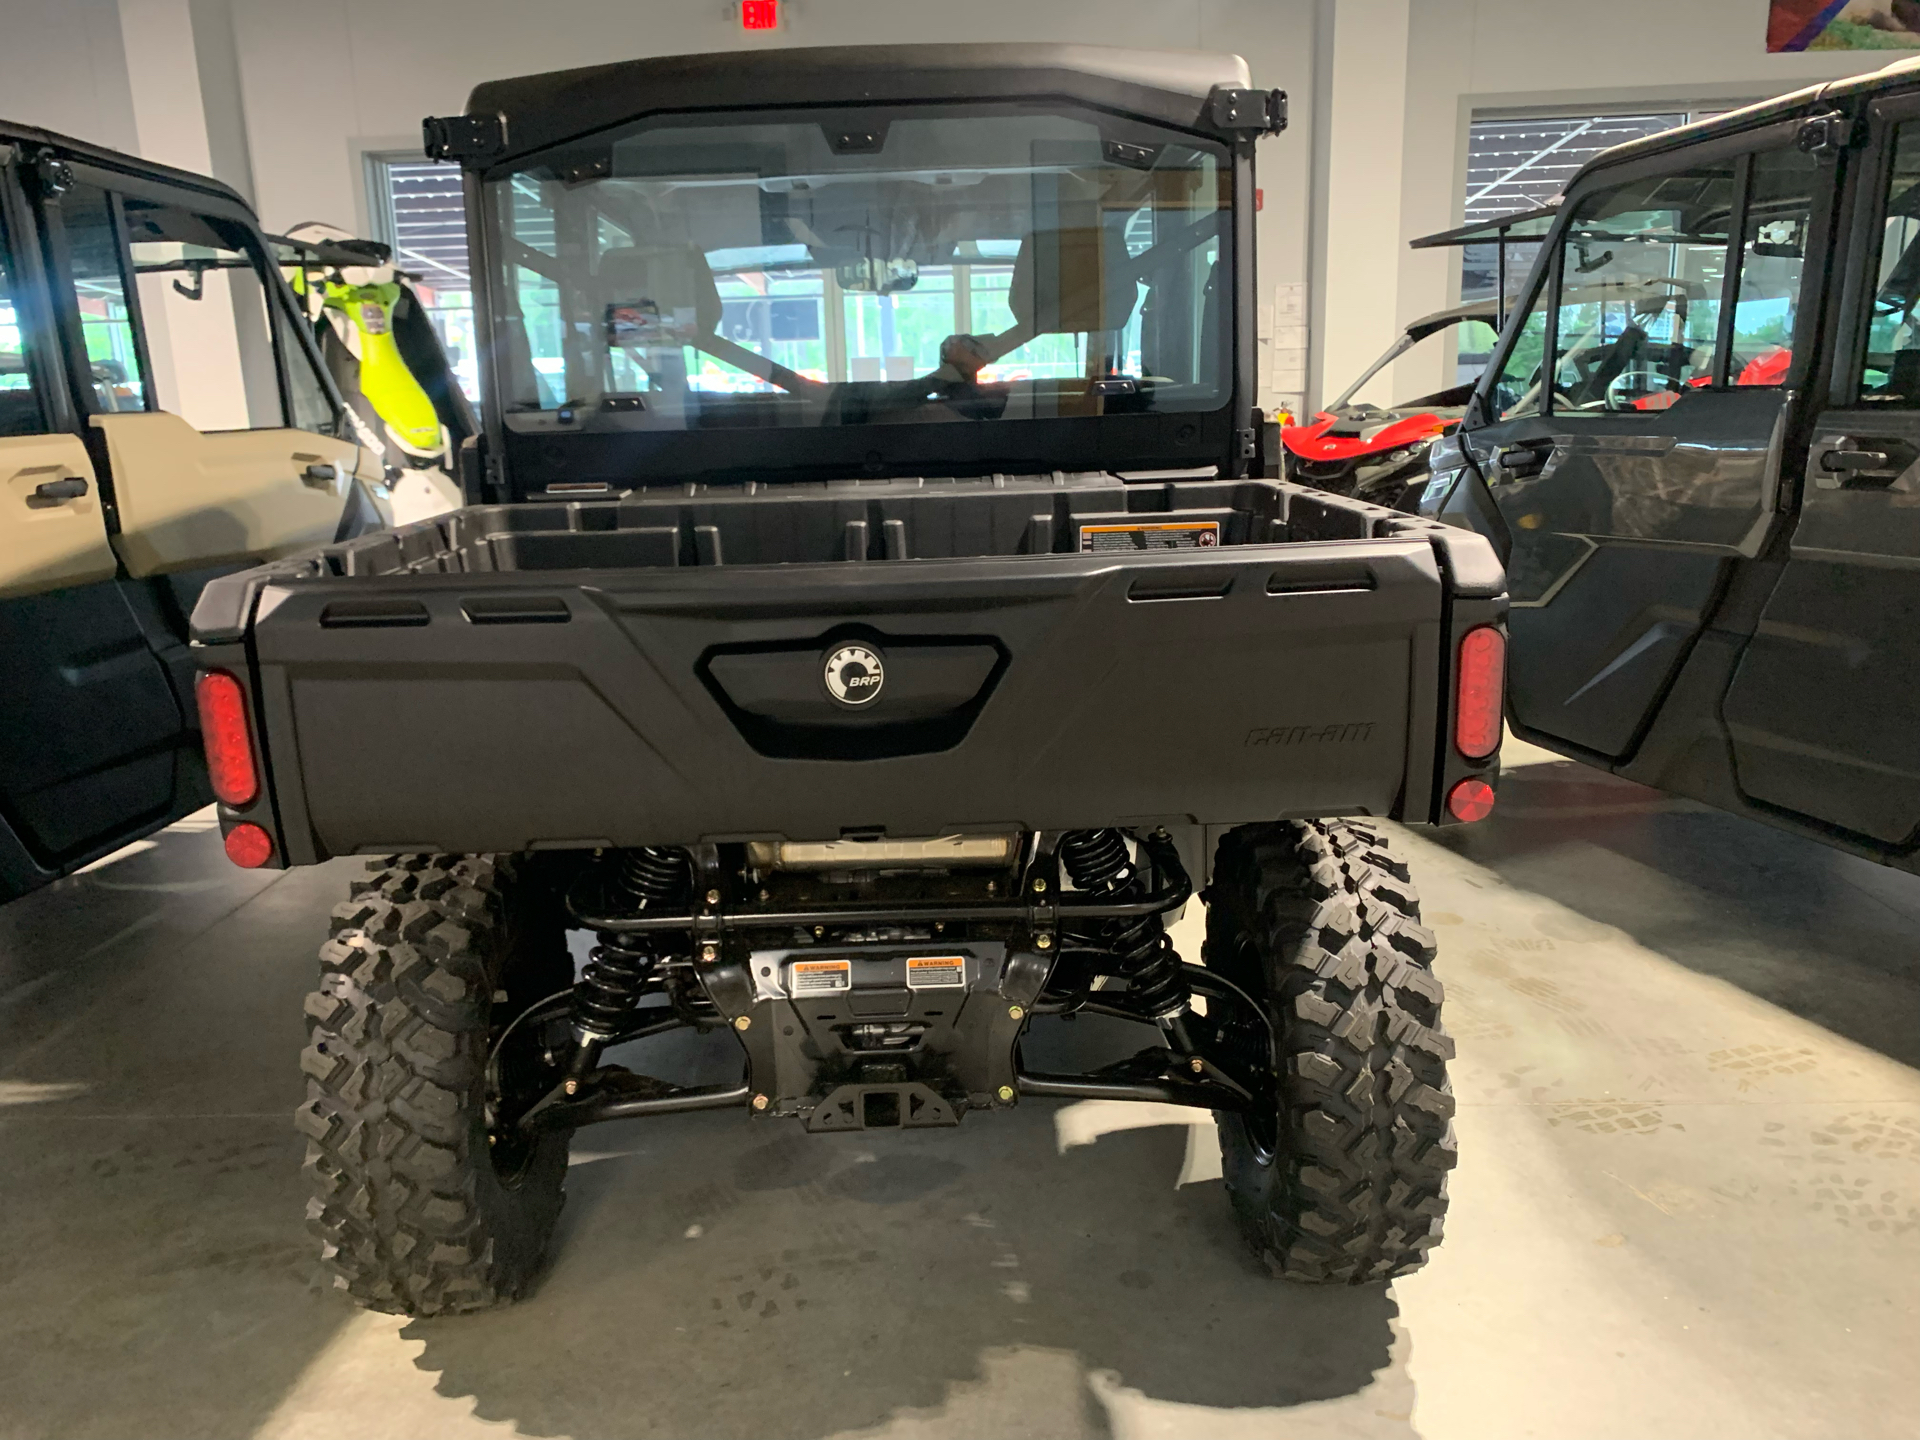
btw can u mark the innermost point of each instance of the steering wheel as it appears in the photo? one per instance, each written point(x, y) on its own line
point(1661, 384)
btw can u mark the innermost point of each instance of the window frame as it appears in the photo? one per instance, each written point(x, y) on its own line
point(1741, 147)
point(116, 186)
point(1863, 206)
point(40, 337)
point(1177, 439)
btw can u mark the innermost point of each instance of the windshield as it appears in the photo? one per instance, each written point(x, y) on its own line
point(1446, 359)
point(862, 266)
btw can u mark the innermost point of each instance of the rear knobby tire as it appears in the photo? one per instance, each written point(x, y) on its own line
point(1341, 1176)
point(424, 966)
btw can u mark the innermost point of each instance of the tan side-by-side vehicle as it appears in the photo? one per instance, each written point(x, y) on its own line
point(163, 419)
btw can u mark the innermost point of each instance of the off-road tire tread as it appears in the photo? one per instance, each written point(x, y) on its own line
point(1356, 1190)
point(410, 1216)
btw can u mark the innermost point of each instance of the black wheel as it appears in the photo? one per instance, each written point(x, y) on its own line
point(426, 1198)
point(1339, 1173)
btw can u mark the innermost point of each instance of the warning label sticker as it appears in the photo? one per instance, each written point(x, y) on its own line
point(819, 977)
point(934, 972)
point(1166, 535)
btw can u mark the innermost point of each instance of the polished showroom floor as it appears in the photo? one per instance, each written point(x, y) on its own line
point(1688, 1203)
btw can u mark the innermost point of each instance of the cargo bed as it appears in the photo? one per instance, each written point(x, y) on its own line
point(646, 668)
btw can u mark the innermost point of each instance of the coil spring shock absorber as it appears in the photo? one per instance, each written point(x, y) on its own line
point(1097, 861)
point(618, 970)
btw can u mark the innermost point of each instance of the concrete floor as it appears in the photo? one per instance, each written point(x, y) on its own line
point(1688, 1203)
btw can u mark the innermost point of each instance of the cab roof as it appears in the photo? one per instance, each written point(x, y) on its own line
point(1165, 85)
point(1828, 94)
point(32, 137)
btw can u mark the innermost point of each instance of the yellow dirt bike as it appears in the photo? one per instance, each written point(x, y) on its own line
point(387, 359)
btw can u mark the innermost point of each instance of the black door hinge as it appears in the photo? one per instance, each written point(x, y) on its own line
point(1825, 136)
point(463, 137)
point(52, 177)
point(1264, 112)
point(1246, 443)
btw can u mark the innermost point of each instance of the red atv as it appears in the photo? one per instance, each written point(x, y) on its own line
point(1380, 453)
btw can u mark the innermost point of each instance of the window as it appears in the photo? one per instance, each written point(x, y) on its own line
point(1524, 163)
point(1642, 271)
point(20, 412)
point(206, 316)
point(420, 210)
point(206, 336)
point(117, 369)
point(864, 268)
point(1773, 251)
point(1890, 374)
point(1518, 390)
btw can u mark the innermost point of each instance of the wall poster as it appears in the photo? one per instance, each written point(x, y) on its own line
point(1843, 25)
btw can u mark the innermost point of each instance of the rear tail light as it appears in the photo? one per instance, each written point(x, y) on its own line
point(223, 730)
point(1471, 799)
point(1476, 710)
point(248, 846)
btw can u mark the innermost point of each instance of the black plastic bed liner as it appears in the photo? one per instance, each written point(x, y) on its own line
point(1059, 514)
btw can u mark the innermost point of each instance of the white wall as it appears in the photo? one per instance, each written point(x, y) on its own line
point(63, 66)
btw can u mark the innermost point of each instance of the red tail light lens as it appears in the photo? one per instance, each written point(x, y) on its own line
point(1482, 676)
point(248, 846)
point(223, 730)
point(1471, 799)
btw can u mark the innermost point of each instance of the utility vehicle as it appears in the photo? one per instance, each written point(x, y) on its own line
point(1698, 452)
point(876, 627)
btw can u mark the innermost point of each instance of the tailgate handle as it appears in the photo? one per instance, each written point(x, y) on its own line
point(354, 614)
point(1180, 587)
point(515, 610)
point(1352, 582)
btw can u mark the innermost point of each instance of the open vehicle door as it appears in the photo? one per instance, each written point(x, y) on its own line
point(1630, 438)
point(129, 479)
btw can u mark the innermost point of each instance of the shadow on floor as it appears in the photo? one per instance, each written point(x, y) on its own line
point(156, 1277)
point(722, 1277)
point(1825, 935)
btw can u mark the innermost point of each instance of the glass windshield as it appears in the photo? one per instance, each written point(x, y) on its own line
point(859, 267)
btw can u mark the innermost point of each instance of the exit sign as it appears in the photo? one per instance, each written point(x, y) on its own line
point(759, 14)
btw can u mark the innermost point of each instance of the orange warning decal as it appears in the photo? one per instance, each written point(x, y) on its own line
point(820, 977)
point(934, 972)
point(1165, 535)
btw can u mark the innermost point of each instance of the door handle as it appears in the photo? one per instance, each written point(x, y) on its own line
point(1862, 464)
point(1854, 460)
point(57, 492)
point(1520, 461)
point(320, 476)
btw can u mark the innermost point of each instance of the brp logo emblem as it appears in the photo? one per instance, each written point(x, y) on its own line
point(854, 675)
